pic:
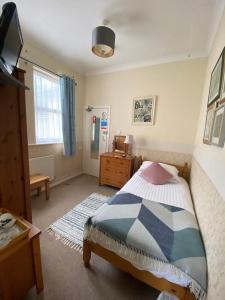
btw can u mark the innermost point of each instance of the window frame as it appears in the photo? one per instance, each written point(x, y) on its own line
point(48, 110)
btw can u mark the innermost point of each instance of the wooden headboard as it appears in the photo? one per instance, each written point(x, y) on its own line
point(183, 170)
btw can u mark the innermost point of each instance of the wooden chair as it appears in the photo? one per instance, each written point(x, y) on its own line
point(36, 183)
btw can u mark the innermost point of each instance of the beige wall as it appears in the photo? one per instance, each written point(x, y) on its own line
point(211, 158)
point(178, 87)
point(64, 166)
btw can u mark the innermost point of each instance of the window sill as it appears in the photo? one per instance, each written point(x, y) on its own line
point(45, 144)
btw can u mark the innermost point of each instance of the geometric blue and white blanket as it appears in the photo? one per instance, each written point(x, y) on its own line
point(166, 237)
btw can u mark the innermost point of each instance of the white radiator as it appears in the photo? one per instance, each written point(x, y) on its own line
point(43, 165)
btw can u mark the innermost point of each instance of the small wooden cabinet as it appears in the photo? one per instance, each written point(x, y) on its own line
point(20, 266)
point(115, 170)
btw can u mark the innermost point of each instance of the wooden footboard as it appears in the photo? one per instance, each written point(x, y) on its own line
point(158, 283)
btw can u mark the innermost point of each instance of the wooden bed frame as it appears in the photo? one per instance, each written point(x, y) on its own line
point(161, 284)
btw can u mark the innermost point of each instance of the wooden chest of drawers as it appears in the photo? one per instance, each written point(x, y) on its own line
point(115, 170)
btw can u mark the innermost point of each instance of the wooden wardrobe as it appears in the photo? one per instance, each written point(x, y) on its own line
point(14, 164)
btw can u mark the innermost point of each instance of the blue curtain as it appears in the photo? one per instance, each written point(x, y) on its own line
point(67, 92)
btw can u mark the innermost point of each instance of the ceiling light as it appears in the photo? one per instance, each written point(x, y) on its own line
point(103, 41)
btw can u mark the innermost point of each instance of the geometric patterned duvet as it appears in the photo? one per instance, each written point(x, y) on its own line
point(165, 233)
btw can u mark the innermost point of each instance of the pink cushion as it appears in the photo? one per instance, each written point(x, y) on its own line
point(156, 174)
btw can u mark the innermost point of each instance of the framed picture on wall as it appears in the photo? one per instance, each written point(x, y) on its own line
point(208, 125)
point(223, 83)
point(218, 130)
point(144, 110)
point(216, 80)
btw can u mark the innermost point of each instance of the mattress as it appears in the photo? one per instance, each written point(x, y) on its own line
point(174, 194)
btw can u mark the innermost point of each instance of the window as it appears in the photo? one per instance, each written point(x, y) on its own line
point(48, 111)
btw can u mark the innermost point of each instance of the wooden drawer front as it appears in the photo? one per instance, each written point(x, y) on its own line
point(117, 182)
point(114, 161)
point(121, 173)
point(118, 170)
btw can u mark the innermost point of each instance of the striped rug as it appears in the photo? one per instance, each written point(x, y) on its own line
point(69, 229)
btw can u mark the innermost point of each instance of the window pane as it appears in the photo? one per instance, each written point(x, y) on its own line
point(48, 113)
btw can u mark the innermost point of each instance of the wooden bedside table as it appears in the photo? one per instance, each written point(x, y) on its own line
point(115, 170)
point(20, 265)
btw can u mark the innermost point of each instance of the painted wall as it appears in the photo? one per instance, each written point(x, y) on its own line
point(64, 166)
point(211, 158)
point(178, 87)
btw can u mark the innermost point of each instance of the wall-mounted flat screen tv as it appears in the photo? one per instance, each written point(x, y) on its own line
point(11, 40)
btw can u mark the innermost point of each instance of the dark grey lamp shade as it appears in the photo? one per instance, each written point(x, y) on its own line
point(103, 41)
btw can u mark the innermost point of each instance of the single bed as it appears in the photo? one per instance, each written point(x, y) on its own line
point(151, 232)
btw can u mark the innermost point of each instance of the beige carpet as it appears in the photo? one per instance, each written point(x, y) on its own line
point(65, 277)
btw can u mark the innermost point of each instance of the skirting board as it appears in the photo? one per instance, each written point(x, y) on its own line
point(64, 179)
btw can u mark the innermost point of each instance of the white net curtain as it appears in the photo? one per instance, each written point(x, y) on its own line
point(48, 110)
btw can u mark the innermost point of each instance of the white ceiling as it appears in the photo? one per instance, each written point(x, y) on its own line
point(147, 31)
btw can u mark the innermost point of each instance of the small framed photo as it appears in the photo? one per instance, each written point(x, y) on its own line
point(144, 110)
point(208, 125)
point(216, 80)
point(218, 130)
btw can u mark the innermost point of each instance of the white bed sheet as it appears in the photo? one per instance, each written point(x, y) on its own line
point(175, 194)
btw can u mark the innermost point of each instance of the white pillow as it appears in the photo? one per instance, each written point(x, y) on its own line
point(171, 169)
